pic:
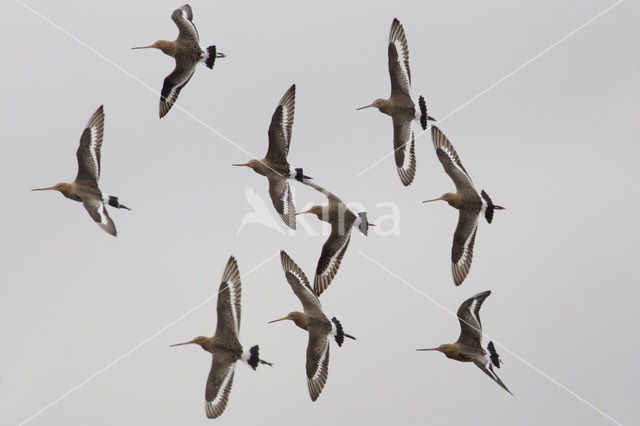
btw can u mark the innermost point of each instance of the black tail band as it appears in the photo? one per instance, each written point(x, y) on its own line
point(300, 176)
point(211, 56)
point(113, 202)
point(253, 357)
point(493, 355)
point(423, 112)
point(339, 331)
point(488, 213)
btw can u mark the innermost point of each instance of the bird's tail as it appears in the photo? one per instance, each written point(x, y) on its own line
point(489, 207)
point(300, 176)
point(363, 223)
point(424, 117)
point(338, 332)
point(113, 202)
point(493, 355)
point(252, 357)
point(211, 55)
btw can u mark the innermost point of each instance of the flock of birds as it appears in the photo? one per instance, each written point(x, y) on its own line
point(224, 345)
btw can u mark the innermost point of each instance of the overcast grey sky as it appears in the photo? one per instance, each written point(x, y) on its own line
point(555, 143)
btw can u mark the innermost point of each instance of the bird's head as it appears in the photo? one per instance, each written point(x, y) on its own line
point(378, 103)
point(299, 318)
point(316, 210)
point(442, 348)
point(254, 164)
point(60, 187)
point(202, 341)
point(452, 199)
point(167, 47)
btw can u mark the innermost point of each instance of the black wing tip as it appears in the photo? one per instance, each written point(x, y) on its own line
point(480, 296)
point(165, 106)
point(231, 273)
point(232, 262)
point(97, 117)
point(435, 131)
point(287, 262)
point(394, 24)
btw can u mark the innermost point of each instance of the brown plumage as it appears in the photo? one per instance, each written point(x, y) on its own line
point(187, 52)
point(316, 323)
point(468, 203)
point(468, 348)
point(85, 187)
point(400, 106)
point(274, 166)
point(342, 221)
point(224, 346)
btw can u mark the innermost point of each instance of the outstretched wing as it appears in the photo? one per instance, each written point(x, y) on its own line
point(333, 251)
point(98, 212)
point(173, 84)
point(403, 136)
point(280, 129)
point(88, 152)
point(485, 365)
point(183, 17)
point(398, 53)
point(218, 385)
point(469, 317)
point(317, 362)
point(450, 160)
point(282, 199)
point(229, 296)
point(299, 284)
point(462, 249)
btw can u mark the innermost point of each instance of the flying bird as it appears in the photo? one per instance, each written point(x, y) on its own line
point(85, 187)
point(316, 323)
point(224, 346)
point(187, 52)
point(274, 166)
point(400, 106)
point(342, 221)
point(468, 203)
point(468, 348)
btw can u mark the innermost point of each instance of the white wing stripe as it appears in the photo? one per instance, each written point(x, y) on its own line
point(465, 252)
point(221, 390)
point(302, 283)
point(103, 216)
point(401, 61)
point(93, 148)
point(472, 309)
point(320, 368)
point(232, 299)
point(334, 258)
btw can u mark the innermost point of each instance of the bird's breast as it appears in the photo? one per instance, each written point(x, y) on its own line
point(232, 347)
